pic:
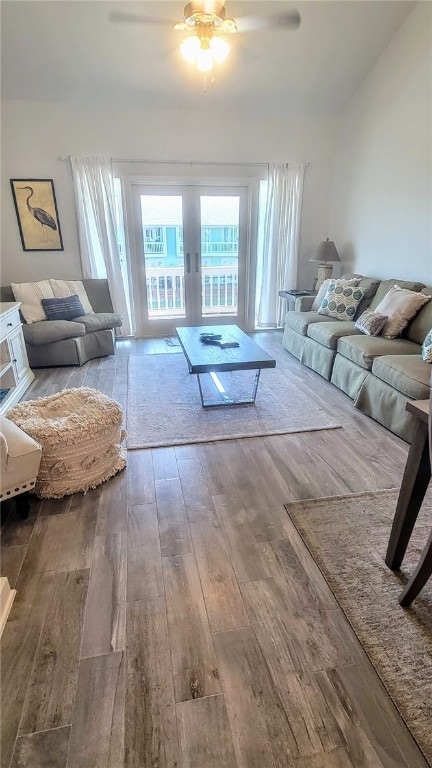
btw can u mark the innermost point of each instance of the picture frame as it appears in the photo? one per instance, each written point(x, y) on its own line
point(37, 214)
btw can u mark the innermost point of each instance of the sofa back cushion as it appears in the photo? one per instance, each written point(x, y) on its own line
point(419, 327)
point(6, 293)
point(99, 295)
point(385, 286)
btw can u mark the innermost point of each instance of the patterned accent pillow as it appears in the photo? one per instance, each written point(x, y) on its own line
point(341, 301)
point(63, 288)
point(323, 289)
point(30, 295)
point(63, 309)
point(427, 348)
point(371, 322)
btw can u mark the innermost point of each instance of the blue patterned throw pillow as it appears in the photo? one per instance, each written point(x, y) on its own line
point(427, 348)
point(63, 309)
point(341, 300)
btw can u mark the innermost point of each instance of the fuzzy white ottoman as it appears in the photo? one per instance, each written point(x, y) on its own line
point(80, 431)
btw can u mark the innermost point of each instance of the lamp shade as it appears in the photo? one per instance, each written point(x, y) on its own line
point(326, 251)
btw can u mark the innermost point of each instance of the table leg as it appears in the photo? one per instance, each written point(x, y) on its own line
point(419, 577)
point(225, 398)
point(414, 486)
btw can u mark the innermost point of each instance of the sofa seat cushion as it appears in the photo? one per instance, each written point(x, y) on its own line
point(406, 373)
point(299, 321)
point(47, 331)
point(99, 321)
point(362, 350)
point(329, 333)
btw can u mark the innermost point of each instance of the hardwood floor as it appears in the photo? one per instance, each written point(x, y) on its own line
point(173, 618)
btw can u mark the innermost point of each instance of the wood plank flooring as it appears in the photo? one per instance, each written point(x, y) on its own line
point(173, 618)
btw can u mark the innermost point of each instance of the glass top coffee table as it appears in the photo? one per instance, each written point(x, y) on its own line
point(205, 358)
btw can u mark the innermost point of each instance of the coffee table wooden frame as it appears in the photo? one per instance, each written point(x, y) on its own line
point(203, 358)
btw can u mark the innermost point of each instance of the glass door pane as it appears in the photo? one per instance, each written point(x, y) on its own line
point(162, 236)
point(220, 222)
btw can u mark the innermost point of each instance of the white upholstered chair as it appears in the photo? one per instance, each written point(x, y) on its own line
point(20, 458)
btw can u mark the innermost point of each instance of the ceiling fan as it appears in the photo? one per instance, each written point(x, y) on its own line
point(207, 22)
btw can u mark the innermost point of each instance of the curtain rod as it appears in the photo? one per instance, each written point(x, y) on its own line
point(182, 162)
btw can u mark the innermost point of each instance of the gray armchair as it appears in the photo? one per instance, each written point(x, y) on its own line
point(72, 342)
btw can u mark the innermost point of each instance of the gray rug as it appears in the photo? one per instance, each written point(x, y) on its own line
point(347, 537)
point(164, 406)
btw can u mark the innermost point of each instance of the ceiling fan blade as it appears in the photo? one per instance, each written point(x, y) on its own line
point(289, 20)
point(135, 18)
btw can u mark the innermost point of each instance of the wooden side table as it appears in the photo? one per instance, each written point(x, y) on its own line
point(412, 492)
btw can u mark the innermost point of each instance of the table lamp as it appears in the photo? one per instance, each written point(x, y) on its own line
point(326, 253)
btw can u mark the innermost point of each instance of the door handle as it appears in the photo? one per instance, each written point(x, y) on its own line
point(188, 263)
point(197, 262)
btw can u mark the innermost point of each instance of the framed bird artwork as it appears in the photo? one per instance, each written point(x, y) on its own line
point(36, 210)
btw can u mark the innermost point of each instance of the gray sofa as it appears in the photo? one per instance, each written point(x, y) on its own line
point(380, 375)
point(72, 342)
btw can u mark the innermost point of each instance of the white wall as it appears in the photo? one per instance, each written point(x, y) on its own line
point(35, 134)
point(381, 214)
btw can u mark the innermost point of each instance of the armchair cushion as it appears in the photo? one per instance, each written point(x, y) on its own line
point(99, 321)
point(47, 331)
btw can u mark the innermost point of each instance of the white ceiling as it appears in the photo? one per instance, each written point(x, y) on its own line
point(70, 51)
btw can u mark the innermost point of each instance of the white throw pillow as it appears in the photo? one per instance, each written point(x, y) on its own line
point(64, 288)
point(400, 305)
point(30, 295)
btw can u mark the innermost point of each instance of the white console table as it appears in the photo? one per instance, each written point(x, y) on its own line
point(15, 373)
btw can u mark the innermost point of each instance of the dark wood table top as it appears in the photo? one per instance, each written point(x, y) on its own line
point(203, 358)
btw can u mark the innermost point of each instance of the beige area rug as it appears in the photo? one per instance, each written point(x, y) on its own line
point(347, 537)
point(164, 406)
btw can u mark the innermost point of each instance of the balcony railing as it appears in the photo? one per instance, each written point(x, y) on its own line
point(152, 248)
point(166, 291)
point(219, 247)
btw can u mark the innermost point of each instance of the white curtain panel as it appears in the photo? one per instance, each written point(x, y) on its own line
point(94, 197)
point(280, 239)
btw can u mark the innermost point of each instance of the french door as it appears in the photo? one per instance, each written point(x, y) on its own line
point(191, 265)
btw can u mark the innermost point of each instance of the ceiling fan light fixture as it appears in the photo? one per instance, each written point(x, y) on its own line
point(204, 60)
point(190, 49)
point(219, 48)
